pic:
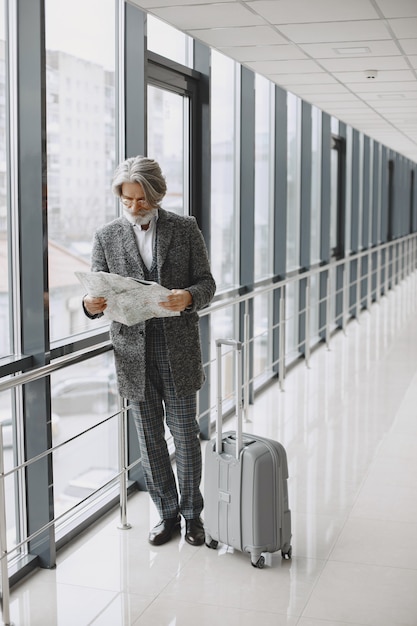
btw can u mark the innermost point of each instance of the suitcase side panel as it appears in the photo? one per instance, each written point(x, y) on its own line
point(259, 496)
point(222, 490)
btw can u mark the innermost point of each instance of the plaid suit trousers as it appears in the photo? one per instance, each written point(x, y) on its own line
point(180, 416)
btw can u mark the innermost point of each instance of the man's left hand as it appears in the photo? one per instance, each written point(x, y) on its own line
point(178, 300)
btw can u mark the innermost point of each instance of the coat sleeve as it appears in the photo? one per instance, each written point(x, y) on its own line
point(202, 284)
point(98, 263)
point(98, 256)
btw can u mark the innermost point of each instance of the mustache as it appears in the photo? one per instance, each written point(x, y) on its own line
point(144, 216)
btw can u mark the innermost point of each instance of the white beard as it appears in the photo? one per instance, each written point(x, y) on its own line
point(141, 219)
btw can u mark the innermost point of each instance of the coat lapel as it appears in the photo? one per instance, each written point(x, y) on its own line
point(131, 250)
point(163, 237)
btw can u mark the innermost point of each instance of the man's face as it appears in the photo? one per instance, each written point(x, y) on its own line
point(133, 199)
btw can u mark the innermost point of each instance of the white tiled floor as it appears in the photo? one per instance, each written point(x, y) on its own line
point(349, 424)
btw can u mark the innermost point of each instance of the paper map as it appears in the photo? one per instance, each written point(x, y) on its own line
point(129, 300)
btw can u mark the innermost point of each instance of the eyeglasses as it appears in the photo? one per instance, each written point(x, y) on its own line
point(131, 201)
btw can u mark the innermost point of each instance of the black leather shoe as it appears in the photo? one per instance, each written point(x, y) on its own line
point(194, 532)
point(164, 530)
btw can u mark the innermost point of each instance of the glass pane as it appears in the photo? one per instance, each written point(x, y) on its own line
point(224, 213)
point(314, 308)
point(334, 203)
point(348, 187)
point(7, 425)
point(5, 347)
point(291, 318)
point(223, 327)
point(82, 396)
point(360, 192)
point(168, 131)
point(315, 184)
point(264, 134)
point(262, 364)
point(169, 42)
point(294, 181)
point(81, 139)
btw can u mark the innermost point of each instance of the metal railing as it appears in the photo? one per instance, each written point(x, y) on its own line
point(386, 266)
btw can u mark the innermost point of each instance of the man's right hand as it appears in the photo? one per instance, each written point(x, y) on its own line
point(94, 305)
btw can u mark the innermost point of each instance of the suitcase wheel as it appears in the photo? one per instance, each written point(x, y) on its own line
point(211, 543)
point(259, 563)
point(287, 554)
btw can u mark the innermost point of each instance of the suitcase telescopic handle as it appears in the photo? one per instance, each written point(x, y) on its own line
point(237, 349)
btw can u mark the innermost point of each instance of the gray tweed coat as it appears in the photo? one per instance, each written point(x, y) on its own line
point(183, 263)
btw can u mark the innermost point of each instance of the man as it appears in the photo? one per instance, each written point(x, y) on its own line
point(158, 362)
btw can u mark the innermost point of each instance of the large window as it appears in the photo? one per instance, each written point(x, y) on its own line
point(316, 116)
point(224, 216)
point(7, 422)
point(80, 57)
point(82, 396)
point(225, 121)
point(293, 219)
point(294, 181)
point(5, 347)
point(316, 154)
point(81, 140)
point(264, 218)
point(168, 143)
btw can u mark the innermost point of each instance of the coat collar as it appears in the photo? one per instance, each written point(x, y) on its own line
point(163, 239)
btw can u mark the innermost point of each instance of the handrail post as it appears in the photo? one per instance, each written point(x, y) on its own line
point(358, 288)
point(246, 319)
point(378, 275)
point(5, 587)
point(124, 525)
point(281, 364)
point(328, 308)
point(307, 322)
point(345, 299)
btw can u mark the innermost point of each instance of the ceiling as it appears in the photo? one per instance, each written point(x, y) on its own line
point(354, 59)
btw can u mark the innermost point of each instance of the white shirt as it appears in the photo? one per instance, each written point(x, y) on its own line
point(145, 239)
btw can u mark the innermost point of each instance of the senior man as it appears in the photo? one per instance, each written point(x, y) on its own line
point(158, 362)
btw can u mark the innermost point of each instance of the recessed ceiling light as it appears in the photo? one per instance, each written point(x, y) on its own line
point(353, 50)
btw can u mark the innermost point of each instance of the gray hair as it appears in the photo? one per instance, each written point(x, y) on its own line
point(140, 169)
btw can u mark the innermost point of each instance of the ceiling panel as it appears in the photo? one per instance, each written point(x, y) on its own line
point(399, 8)
point(382, 76)
point(344, 49)
point(362, 63)
point(408, 45)
point(378, 87)
point(249, 36)
point(404, 28)
point(288, 11)
point(209, 16)
point(335, 31)
point(283, 67)
point(320, 50)
point(262, 53)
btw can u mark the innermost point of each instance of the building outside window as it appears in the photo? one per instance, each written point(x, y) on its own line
point(293, 219)
point(316, 154)
point(81, 150)
point(264, 220)
point(81, 140)
point(7, 420)
point(5, 347)
point(225, 120)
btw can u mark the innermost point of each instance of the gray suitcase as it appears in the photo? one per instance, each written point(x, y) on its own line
point(245, 484)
